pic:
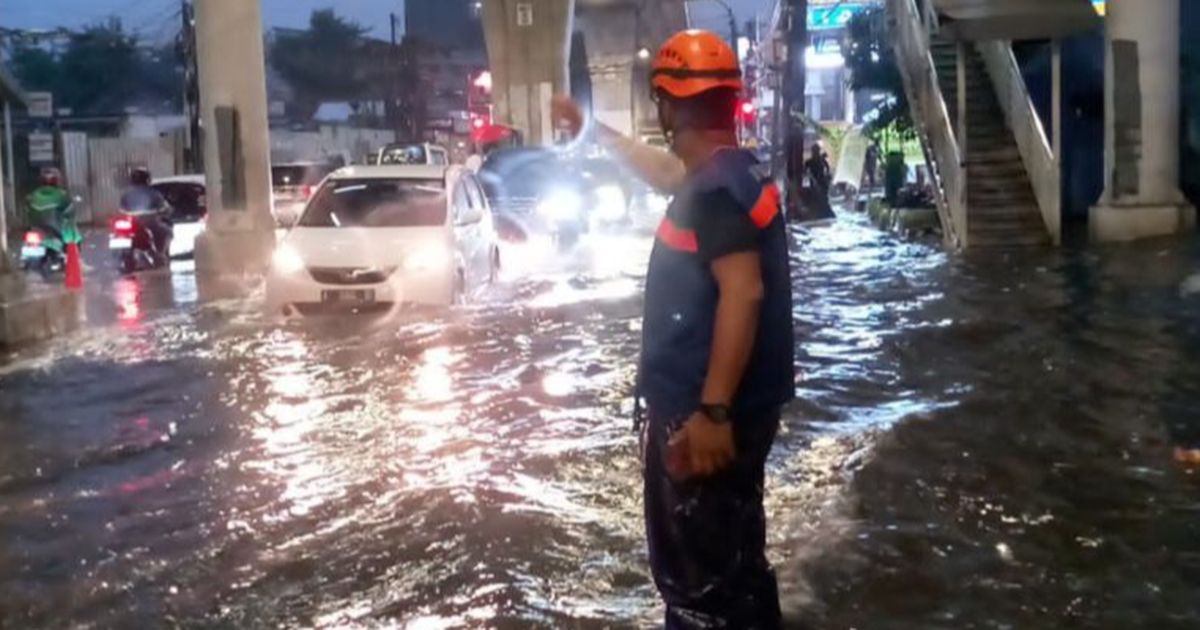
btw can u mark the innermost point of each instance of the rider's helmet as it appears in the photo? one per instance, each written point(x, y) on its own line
point(51, 176)
point(694, 61)
point(139, 176)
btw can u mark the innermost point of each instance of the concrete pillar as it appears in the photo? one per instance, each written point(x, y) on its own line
point(9, 160)
point(529, 44)
point(4, 204)
point(1142, 121)
point(240, 233)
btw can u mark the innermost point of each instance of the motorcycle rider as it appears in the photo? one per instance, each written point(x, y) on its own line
point(48, 204)
point(151, 210)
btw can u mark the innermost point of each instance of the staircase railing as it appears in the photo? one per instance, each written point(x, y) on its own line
point(911, 42)
point(1037, 153)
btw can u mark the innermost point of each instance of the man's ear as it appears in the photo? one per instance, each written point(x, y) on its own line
point(666, 114)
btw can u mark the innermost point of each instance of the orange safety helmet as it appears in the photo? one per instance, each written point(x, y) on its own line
point(694, 61)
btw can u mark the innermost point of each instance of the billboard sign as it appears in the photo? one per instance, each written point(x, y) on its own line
point(824, 18)
point(41, 104)
point(41, 148)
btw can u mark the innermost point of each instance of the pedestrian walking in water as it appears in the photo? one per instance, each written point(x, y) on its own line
point(871, 166)
point(820, 178)
point(717, 348)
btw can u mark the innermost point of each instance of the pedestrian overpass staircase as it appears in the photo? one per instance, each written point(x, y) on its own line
point(995, 166)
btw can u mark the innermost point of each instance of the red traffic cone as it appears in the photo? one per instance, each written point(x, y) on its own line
point(74, 272)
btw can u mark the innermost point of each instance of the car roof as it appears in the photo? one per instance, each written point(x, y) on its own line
point(400, 145)
point(392, 171)
point(179, 179)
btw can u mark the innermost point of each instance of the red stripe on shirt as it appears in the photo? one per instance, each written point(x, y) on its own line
point(767, 207)
point(677, 238)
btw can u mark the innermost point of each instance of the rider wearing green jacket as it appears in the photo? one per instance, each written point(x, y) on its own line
point(50, 208)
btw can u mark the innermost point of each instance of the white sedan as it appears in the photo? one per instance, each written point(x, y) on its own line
point(373, 237)
point(189, 207)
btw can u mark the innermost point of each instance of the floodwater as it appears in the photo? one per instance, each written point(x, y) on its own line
point(979, 443)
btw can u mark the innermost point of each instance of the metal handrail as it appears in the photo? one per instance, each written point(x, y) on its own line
point(911, 43)
point(1037, 152)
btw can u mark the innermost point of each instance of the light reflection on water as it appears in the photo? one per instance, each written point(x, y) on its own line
point(976, 441)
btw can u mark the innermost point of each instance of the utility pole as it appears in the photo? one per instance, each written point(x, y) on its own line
point(794, 78)
point(733, 27)
point(194, 140)
point(393, 105)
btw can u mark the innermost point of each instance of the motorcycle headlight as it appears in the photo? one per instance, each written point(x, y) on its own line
point(610, 202)
point(287, 260)
point(561, 205)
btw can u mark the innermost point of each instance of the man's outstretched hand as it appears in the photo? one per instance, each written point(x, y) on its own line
point(567, 115)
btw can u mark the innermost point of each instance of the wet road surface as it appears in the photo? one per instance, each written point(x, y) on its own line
point(980, 443)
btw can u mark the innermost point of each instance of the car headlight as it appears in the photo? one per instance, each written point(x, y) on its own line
point(427, 259)
point(561, 205)
point(287, 260)
point(610, 202)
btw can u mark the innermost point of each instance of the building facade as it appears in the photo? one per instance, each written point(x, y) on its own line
point(444, 40)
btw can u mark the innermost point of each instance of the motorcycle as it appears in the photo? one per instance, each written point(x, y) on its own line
point(42, 251)
point(131, 241)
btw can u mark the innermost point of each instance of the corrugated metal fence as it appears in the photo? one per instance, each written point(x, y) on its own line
point(97, 169)
point(111, 161)
point(74, 146)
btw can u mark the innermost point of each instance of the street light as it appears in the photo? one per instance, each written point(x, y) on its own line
point(643, 54)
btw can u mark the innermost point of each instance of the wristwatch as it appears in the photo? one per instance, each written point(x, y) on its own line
point(717, 413)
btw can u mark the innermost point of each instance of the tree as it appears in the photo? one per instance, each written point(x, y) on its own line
point(102, 71)
point(161, 78)
point(99, 70)
point(321, 63)
point(872, 64)
point(36, 68)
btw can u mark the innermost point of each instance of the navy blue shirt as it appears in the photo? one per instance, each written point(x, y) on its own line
point(138, 199)
point(728, 206)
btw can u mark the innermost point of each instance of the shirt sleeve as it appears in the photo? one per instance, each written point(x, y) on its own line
point(722, 226)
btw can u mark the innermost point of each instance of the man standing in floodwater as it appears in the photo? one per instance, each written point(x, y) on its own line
point(717, 345)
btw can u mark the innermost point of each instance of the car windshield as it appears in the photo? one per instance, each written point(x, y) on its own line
point(522, 173)
point(297, 175)
point(186, 200)
point(409, 154)
point(377, 203)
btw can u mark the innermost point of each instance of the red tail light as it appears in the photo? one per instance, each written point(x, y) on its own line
point(308, 192)
point(33, 238)
point(122, 225)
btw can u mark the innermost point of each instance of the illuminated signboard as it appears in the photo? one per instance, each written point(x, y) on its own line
point(835, 16)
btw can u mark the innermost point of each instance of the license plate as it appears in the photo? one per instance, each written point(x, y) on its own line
point(350, 297)
point(33, 251)
point(120, 243)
